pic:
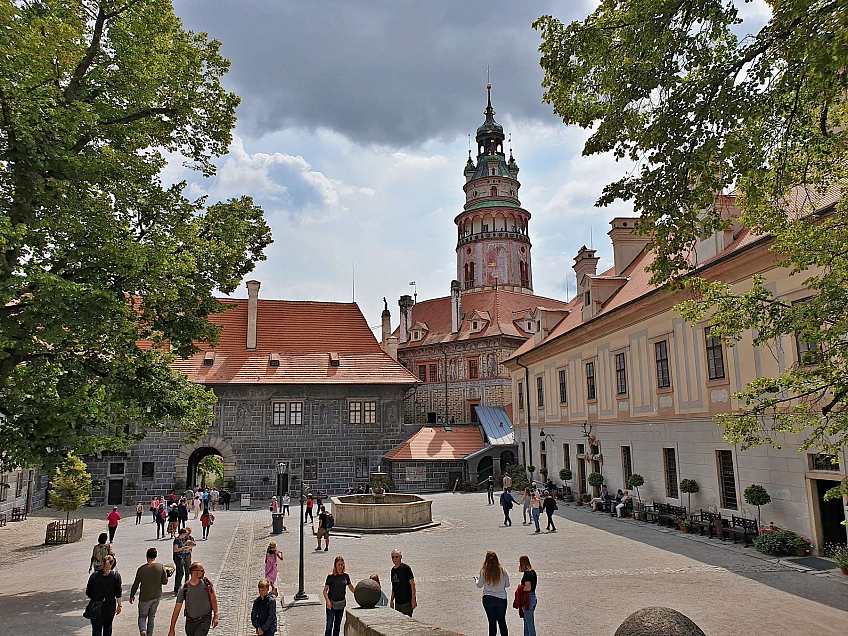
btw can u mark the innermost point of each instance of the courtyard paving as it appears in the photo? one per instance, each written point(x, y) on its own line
point(593, 573)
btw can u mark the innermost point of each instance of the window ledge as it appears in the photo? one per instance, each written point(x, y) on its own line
point(725, 381)
point(665, 389)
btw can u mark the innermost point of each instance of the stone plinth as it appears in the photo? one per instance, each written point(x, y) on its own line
point(382, 621)
point(390, 512)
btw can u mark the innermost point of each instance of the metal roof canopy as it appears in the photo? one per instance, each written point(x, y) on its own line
point(496, 425)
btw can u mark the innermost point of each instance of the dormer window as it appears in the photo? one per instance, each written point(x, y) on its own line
point(587, 298)
point(475, 325)
point(274, 359)
point(529, 326)
point(208, 358)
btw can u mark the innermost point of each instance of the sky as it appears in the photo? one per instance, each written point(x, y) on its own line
point(352, 135)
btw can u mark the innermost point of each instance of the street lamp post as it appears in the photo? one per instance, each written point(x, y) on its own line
point(282, 468)
point(301, 595)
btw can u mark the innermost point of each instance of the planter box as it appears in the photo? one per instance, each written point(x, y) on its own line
point(63, 532)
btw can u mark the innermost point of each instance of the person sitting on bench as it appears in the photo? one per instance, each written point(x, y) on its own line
point(623, 503)
point(600, 499)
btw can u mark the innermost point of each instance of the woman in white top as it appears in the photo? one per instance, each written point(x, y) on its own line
point(494, 580)
point(536, 508)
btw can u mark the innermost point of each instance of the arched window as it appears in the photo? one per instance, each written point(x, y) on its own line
point(493, 191)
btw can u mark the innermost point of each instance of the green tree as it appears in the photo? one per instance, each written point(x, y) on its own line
point(92, 96)
point(689, 486)
point(756, 495)
point(669, 86)
point(635, 481)
point(212, 466)
point(71, 486)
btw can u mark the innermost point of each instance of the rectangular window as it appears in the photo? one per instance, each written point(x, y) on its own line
point(820, 461)
point(310, 469)
point(473, 369)
point(148, 470)
point(626, 463)
point(540, 393)
point(727, 480)
point(715, 356)
point(422, 372)
point(566, 456)
point(661, 351)
point(4, 490)
point(590, 380)
point(670, 462)
point(354, 412)
point(563, 395)
point(278, 413)
point(362, 468)
point(116, 468)
point(370, 413)
point(581, 449)
point(19, 487)
point(808, 352)
point(520, 396)
point(620, 374)
point(434, 373)
point(295, 413)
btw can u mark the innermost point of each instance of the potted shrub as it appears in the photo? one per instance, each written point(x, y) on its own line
point(566, 476)
point(586, 498)
point(839, 553)
point(756, 496)
point(802, 546)
point(531, 469)
point(635, 481)
point(595, 480)
point(544, 473)
point(775, 541)
point(689, 486)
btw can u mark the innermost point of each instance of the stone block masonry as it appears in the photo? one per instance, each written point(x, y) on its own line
point(426, 476)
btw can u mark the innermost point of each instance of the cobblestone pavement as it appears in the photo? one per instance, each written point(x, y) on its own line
point(592, 573)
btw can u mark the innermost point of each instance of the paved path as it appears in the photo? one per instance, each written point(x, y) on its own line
point(593, 561)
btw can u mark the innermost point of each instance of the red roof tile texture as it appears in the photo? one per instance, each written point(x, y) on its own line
point(436, 443)
point(303, 333)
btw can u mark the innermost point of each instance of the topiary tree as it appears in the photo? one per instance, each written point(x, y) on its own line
point(71, 486)
point(519, 476)
point(635, 481)
point(565, 474)
point(595, 480)
point(756, 495)
point(689, 486)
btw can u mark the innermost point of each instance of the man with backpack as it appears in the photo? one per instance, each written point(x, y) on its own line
point(201, 604)
point(325, 522)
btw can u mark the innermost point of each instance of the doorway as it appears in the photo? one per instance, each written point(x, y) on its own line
point(581, 476)
point(507, 458)
point(205, 468)
point(282, 485)
point(485, 469)
point(831, 514)
point(115, 495)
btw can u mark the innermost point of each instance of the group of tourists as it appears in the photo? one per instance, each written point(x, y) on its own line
point(494, 580)
point(174, 511)
point(617, 502)
point(535, 501)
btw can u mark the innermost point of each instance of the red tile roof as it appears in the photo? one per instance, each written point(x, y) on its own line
point(303, 333)
point(436, 443)
point(503, 309)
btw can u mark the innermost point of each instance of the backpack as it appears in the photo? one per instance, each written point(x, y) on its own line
point(208, 585)
point(329, 522)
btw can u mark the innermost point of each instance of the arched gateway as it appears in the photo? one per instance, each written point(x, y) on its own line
point(185, 466)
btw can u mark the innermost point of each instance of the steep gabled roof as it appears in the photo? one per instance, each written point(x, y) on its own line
point(438, 443)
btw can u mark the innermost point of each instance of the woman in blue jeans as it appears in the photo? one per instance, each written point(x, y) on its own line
point(494, 580)
point(528, 582)
point(335, 589)
point(536, 509)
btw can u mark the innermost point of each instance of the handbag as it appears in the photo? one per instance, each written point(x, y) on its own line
point(94, 610)
point(338, 605)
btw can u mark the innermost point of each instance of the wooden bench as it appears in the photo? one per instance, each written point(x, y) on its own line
point(671, 515)
point(705, 521)
point(627, 511)
point(651, 514)
point(19, 514)
point(742, 527)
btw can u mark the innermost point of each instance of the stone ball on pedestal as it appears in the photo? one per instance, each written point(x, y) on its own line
point(658, 621)
point(367, 593)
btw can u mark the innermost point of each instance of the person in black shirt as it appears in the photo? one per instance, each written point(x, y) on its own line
point(104, 590)
point(334, 596)
point(403, 597)
point(528, 582)
point(506, 503)
point(549, 505)
point(263, 617)
point(323, 530)
point(490, 489)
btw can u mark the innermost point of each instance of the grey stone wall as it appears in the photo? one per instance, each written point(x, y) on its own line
point(243, 432)
point(31, 494)
point(436, 475)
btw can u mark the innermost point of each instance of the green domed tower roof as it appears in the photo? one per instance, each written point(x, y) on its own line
point(490, 135)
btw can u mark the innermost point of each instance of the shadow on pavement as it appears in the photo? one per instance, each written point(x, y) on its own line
point(57, 612)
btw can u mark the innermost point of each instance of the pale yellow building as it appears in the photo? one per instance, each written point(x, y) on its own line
point(618, 383)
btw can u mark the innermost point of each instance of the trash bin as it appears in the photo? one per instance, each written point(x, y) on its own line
point(277, 523)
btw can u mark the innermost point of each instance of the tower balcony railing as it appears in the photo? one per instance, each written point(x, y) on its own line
point(496, 234)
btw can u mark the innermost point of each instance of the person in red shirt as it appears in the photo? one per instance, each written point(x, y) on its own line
point(114, 517)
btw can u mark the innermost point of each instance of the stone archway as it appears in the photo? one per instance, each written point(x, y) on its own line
point(206, 446)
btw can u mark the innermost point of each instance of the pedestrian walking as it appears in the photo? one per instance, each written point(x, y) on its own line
point(100, 552)
point(525, 502)
point(104, 591)
point(404, 597)
point(154, 507)
point(549, 505)
point(536, 509)
point(173, 521)
point(139, 510)
point(490, 490)
point(527, 606)
point(181, 548)
point(286, 503)
point(309, 503)
point(150, 578)
point(272, 558)
point(201, 611)
point(507, 501)
point(198, 497)
point(161, 517)
point(225, 498)
point(182, 509)
point(263, 616)
point(494, 580)
point(112, 519)
point(274, 508)
point(206, 521)
point(172, 498)
point(507, 482)
point(213, 497)
point(335, 589)
point(324, 525)
point(206, 496)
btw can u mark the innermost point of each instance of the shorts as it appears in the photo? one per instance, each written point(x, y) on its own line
point(323, 532)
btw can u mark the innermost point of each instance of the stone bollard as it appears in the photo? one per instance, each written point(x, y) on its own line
point(658, 621)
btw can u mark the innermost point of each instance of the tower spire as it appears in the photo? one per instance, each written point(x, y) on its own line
point(488, 87)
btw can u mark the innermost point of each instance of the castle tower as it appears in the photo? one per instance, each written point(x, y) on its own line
point(493, 246)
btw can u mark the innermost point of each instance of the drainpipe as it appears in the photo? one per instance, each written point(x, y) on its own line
point(529, 432)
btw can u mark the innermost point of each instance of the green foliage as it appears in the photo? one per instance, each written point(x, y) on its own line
point(595, 480)
point(543, 472)
point(231, 485)
point(71, 485)
point(520, 481)
point(635, 481)
point(565, 474)
point(837, 492)
point(671, 88)
point(756, 495)
point(92, 96)
point(776, 541)
point(689, 486)
point(838, 553)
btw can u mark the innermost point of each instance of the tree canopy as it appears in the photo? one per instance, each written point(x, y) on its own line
point(676, 88)
point(97, 255)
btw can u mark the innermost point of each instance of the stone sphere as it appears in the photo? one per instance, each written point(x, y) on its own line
point(658, 621)
point(367, 593)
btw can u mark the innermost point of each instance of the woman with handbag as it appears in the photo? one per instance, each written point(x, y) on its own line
point(104, 590)
point(335, 589)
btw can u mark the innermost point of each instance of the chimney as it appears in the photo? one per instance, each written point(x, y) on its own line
point(456, 306)
point(585, 263)
point(391, 346)
point(405, 303)
point(386, 323)
point(626, 243)
point(252, 306)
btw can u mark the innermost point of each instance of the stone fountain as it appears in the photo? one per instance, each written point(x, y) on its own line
point(380, 511)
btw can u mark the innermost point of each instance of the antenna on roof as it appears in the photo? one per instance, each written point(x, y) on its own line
point(469, 145)
point(591, 247)
point(352, 283)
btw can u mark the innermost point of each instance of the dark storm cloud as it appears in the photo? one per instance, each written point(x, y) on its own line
point(395, 73)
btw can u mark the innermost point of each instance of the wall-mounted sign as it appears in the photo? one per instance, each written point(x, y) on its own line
point(416, 474)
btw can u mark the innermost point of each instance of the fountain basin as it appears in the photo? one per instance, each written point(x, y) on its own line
point(390, 513)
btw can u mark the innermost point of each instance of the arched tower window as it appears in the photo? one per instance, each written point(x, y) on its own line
point(493, 191)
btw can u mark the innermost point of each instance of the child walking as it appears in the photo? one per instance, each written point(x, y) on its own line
point(272, 556)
